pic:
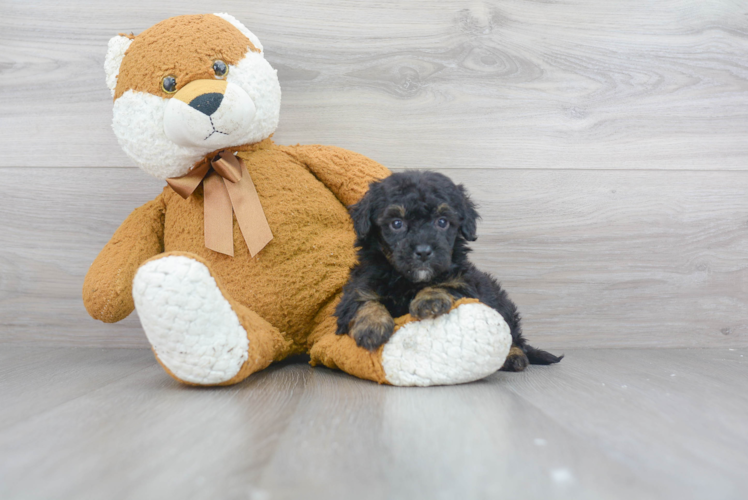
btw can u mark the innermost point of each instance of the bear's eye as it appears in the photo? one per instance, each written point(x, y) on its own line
point(397, 225)
point(169, 84)
point(442, 223)
point(220, 69)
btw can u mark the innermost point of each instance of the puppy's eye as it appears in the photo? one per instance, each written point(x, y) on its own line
point(397, 225)
point(220, 69)
point(169, 84)
point(442, 223)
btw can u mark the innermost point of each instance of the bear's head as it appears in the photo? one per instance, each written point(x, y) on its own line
point(189, 86)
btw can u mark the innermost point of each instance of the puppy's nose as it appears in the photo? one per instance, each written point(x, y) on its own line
point(423, 252)
point(207, 103)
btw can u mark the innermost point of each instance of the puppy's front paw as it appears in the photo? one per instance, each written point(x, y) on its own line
point(431, 303)
point(516, 361)
point(372, 326)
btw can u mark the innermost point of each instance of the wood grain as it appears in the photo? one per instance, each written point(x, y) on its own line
point(34, 381)
point(592, 258)
point(54, 222)
point(625, 258)
point(605, 143)
point(450, 84)
point(673, 413)
point(605, 423)
point(147, 436)
point(469, 441)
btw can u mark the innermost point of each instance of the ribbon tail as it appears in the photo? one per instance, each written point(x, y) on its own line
point(219, 222)
point(249, 213)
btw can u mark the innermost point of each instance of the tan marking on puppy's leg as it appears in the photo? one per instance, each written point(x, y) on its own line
point(431, 303)
point(516, 360)
point(372, 325)
point(456, 283)
point(366, 295)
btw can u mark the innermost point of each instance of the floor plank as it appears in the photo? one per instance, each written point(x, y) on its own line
point(36, 380)
point(147, 436)
point(472, 441)
point(563, 84)
point(46, 251)
point(606, 423)
point(676, 414)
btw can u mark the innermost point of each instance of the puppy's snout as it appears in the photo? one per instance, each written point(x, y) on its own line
point(207, 103)
point(424, 252)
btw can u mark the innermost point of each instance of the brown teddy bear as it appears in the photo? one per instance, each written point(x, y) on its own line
point(241, 259)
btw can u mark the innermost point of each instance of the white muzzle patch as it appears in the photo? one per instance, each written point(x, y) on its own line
point(423, 275)
point(210, 120)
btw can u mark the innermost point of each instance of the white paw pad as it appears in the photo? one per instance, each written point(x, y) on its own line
point(189, 323)
point(467, 344)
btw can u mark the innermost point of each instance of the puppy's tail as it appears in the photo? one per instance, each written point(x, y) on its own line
point(538, 357)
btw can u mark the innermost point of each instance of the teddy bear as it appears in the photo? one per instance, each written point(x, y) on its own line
point(242, 258)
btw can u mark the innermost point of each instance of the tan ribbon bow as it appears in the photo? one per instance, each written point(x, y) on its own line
point(227, 187)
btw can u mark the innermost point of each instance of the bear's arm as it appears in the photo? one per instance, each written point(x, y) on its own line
point(107, 289)
point(345, 173)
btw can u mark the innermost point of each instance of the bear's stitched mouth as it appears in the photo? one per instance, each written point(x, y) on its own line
point(214, 130)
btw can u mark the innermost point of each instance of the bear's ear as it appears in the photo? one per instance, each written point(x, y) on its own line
point(118, 45)
point(252, 37)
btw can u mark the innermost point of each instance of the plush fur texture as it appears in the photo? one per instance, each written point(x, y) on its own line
point(118, 45)
point(298, 272)
point(197, 306)
point(412, 231)
point(141, 106)
point(281, 297)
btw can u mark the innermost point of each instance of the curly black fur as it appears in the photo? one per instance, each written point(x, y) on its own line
point(412, 230)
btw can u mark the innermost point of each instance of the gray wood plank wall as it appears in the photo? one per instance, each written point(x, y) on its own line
point(606, 143)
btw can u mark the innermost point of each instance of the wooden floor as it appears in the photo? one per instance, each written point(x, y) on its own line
point(78, 423)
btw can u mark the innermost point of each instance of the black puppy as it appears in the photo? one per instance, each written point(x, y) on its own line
point(412, 231)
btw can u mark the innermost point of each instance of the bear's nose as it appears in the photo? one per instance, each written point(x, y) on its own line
point(423, 252)
point(207, 103)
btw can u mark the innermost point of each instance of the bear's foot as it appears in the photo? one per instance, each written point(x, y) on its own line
point(195, 333)
point(467, 344)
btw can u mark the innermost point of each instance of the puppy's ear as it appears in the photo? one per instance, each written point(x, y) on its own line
point(469, 226)
point(361, 215)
